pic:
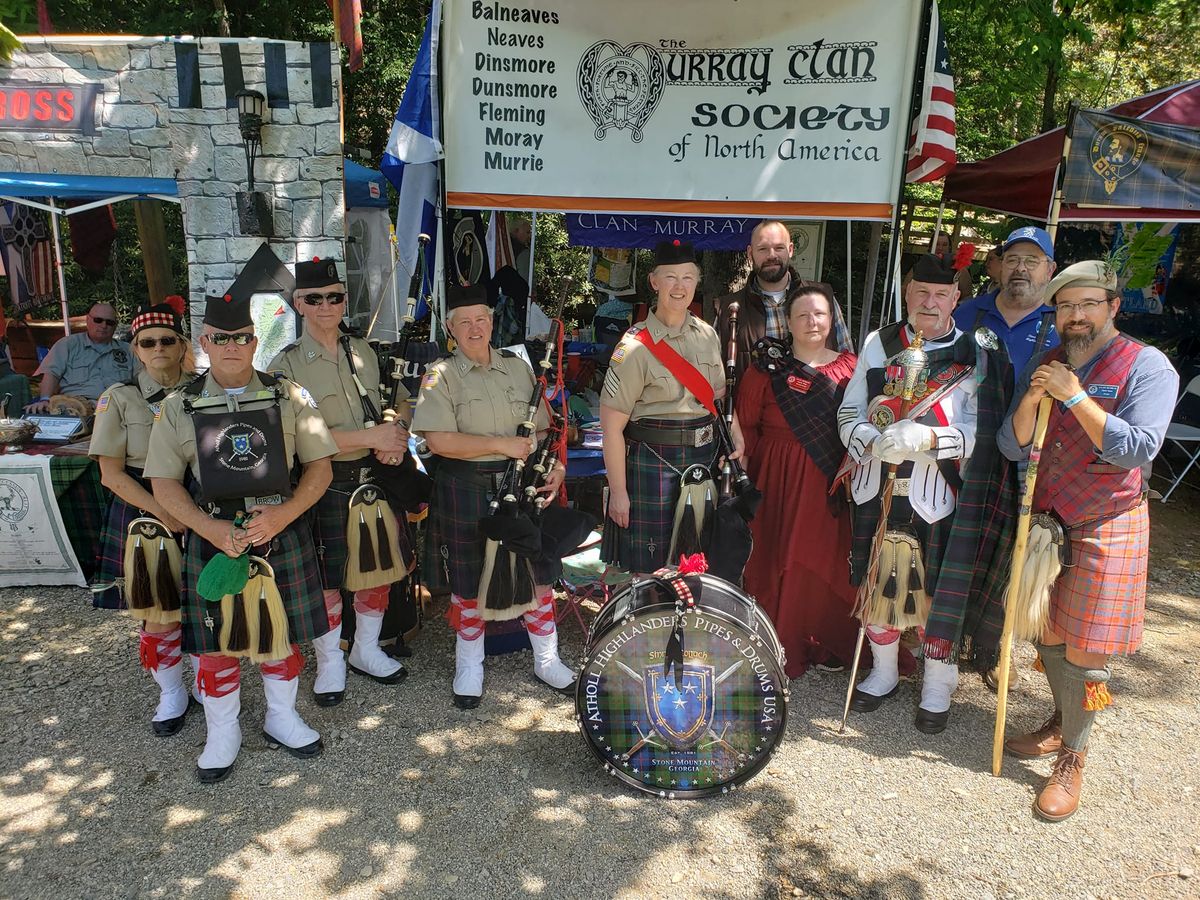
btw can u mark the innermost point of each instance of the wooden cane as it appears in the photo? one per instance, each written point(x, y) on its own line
point(865, 590)
point(1014, 581)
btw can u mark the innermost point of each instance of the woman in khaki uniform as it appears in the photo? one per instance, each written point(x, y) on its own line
point(468, 410)
point(121, 436)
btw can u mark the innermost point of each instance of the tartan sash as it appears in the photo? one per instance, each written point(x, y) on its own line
point(809, 399)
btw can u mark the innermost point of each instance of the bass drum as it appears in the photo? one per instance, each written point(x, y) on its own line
point(689, 730)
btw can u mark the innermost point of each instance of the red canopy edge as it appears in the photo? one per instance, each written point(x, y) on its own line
point(1019, 181)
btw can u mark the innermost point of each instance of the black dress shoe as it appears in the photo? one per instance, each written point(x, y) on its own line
point(465, 701)
point(399, 650)
point(864, 702)
point(329, 698)
point(395, 678)
point(308, 751)
point(212, 776)
point(168, 727)
point(932, 722)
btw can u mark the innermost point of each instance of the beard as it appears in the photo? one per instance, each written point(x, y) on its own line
point(772, 271)
point(1023, 291)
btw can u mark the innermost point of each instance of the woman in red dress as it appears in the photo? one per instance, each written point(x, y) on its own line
point(787, 404)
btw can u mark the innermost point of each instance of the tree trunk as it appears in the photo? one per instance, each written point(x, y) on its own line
point(222, 18)
point(1049, 120)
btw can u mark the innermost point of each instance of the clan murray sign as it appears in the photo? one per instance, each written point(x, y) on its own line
point(626, 106)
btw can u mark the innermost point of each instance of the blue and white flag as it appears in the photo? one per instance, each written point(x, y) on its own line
point(410, 161)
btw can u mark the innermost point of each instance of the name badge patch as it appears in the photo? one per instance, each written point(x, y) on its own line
point(796, 383)
point(1103, 391)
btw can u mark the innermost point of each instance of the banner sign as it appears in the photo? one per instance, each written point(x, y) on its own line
point(613, 270)
point(628, 106)
point(39, 107)
point(1147, 267)
point(1115, 161)
point(34, 548)
point(646, 232)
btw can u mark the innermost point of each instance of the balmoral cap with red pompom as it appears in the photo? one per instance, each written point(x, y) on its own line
point(227, 313)
point(315, 274)
point(674, 253)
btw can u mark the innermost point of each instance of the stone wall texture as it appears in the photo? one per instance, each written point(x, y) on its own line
point(141, 130)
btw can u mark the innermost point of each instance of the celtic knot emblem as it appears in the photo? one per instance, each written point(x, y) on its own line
point(620, 87)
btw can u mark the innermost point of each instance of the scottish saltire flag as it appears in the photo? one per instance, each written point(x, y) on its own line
point(410, 161)
point(1117, 161)
point(28, 256)
point(932, 144)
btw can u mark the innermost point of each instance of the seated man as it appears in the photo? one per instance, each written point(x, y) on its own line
point(85, 365)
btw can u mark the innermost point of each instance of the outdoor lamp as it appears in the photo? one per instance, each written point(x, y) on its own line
point(254, 207)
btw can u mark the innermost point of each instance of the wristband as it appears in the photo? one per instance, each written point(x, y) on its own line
point(1071, 401)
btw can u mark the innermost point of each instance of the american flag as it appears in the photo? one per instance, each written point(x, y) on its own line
point(931, 149)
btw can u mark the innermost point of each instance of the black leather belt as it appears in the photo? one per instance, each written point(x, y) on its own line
point(355, 470)
point(688, 433)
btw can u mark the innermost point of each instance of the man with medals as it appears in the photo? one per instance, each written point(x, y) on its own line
point(120, 438)
point(341, 373)
point(658, 414)
point(240, 433)
point(469, 409)
point(928, 568)
point(1112, 402)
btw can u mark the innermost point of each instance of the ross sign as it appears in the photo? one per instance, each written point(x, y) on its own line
point(627, 106)
point(32, 106)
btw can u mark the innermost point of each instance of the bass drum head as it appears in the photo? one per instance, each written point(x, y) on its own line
point(690, 733)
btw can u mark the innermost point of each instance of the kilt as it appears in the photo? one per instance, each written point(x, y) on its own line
point(653, 488)
point(328, 519)
point(1098, 605)
point(110, 558)
point(460, 500)
point(299, 585)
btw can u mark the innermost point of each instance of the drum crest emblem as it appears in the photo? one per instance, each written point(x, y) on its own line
point(620, 87)
point(682, 713)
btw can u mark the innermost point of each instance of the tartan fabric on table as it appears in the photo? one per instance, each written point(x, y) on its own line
point(83, 502)
point(110, 559)
point(653, 487)
point(291, 555)
point(460, 500)
point(1098, 604)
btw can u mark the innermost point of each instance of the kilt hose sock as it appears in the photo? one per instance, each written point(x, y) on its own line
point(1084, 693)
point(372, 601)
point(161, 655)
point(333, 606)
point(1053, 657)
point(470, 624)
point(468, 652)
point(540, 621)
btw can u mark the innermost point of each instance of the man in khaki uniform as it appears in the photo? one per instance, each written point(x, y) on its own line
point(239, 433)
point(468, 410)
point(657, 433)
point(342, 375)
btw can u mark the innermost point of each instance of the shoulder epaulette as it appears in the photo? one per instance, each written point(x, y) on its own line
point(292, 346)
point(507, 354)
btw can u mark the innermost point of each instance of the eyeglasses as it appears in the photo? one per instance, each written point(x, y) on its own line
point(1084, 306)
point(220, 338)
point(335, 298)
point(111, 323)
point(150, 343)
point(1029, 262)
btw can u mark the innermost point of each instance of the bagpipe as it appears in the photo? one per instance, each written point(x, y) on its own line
point(522, 528)
point(726, 536)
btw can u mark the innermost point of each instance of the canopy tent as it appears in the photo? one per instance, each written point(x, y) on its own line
point(1020, 181)
point(94, 190)
point(364, 187)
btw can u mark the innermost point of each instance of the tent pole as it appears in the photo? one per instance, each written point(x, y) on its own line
point(869, 281)
point(1060, 172)
point(529, 274)
point(849, 285)
point(58, 265)
point(937, 229)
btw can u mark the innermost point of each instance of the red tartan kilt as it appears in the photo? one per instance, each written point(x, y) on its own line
point(1099, 604)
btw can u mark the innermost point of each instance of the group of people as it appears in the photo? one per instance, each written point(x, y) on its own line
point(889, 493)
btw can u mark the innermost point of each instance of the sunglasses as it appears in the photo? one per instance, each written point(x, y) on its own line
point(111, 323)
point(335, 298)
point(221, 338)
point(150, 343)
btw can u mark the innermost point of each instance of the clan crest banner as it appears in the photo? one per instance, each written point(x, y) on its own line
point(798, 110)
point(1116, 161)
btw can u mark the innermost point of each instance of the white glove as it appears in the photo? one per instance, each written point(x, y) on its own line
point(903, 440)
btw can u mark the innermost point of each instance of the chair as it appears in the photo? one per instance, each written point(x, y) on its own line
point(1180, 434)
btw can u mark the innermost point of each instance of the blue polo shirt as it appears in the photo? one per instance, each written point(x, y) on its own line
point(1020, 338)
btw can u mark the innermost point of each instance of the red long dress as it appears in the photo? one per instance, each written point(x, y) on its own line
point(799, 571)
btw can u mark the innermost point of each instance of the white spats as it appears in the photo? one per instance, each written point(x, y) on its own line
point(885, 669)
point(941, 680)
point(331, 662)
point(546, 663)
point(224, 736)
point(468, 667)
point(283, 724)
point(172, 695)
point(365, 655)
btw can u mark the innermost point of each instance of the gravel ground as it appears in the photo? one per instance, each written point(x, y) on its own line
point(413, 798)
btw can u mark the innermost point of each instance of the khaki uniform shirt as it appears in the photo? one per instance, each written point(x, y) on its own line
point(124, 415)
point(638, 385)
point(84, 369)
point(459, 395)
point(173, 438)
point(327, 377)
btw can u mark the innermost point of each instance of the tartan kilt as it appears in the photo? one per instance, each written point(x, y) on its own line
point(653, 488)
point(328, 520)
point(1098, 605)
point(457, 505)
point(110, 558)
point(299, 585)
